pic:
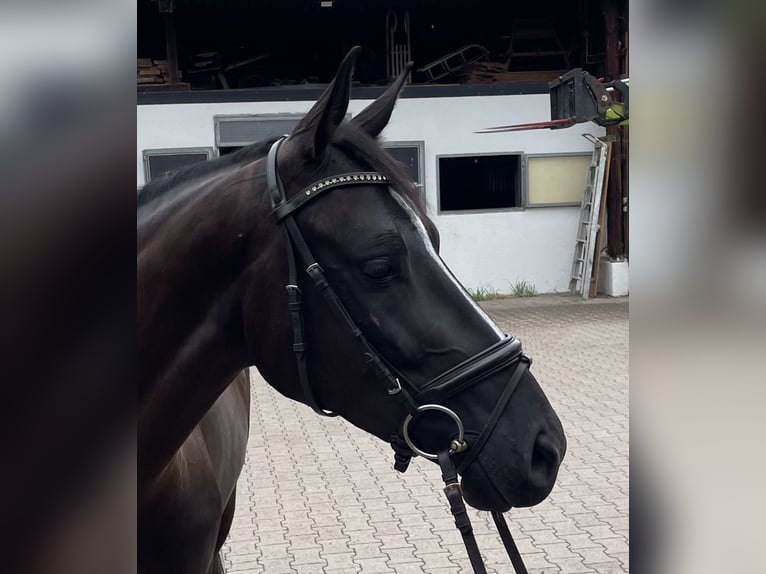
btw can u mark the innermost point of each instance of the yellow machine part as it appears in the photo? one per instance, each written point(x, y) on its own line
point(617, 111)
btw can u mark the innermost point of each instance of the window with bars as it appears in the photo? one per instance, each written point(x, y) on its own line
point(165, 162)
point(235, 132)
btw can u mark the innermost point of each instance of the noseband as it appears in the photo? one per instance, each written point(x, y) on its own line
point(501, 355)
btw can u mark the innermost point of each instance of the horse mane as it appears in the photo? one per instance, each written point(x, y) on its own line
point(159, 187)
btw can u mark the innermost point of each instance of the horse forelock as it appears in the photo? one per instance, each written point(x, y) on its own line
point(369, 151)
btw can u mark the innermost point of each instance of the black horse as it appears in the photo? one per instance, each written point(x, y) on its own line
point(381, 328)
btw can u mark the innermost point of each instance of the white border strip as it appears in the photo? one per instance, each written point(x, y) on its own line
point(421, 229)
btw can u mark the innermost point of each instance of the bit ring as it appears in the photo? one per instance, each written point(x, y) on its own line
point(457, 445)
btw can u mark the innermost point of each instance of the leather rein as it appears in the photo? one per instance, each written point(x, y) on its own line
point(506, 352)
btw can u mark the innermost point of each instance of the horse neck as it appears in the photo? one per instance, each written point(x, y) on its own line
point(192, 253)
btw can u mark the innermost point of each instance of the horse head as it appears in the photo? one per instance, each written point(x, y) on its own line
point(395, 314)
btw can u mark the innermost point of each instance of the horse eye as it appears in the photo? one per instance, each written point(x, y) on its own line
point(377, 268)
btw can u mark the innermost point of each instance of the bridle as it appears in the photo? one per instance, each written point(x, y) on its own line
point(501, 355)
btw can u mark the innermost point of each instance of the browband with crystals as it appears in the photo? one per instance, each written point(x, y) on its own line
point(360, 177)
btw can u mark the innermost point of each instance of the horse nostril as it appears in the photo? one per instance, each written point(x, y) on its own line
point(545, 461)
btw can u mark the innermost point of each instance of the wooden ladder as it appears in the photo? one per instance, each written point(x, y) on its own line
point(454, 61)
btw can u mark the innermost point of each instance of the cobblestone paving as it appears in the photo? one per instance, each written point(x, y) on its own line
point(320, 496)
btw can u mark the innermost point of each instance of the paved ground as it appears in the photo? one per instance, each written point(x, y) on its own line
point(319, 496)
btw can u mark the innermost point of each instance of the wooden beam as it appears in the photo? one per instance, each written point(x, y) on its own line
point(601, 223)
point(615, 229)
point(166, 6)
point(170, 46)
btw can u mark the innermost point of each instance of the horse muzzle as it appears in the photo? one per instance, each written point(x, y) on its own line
point(519, 463)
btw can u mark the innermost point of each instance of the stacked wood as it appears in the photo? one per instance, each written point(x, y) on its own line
point(496, 72)
point(150, 71)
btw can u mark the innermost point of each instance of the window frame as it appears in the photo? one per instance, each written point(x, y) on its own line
point(228, 118)
point(586, 154)
point(522, 183)
point(421, 147)
point(146, 153)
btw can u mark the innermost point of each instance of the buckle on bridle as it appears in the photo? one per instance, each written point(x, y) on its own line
point(458, 446)
point(293, 288)
point(396, 389)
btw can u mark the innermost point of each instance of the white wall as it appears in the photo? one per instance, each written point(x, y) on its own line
point(493, 249)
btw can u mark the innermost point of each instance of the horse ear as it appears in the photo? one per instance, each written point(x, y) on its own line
point(374, 117)
point(316, 128)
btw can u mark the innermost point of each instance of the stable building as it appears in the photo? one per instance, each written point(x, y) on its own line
point(216, 75)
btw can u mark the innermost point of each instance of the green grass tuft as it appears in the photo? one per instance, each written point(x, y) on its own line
point(484, 292)
point(523, 289)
